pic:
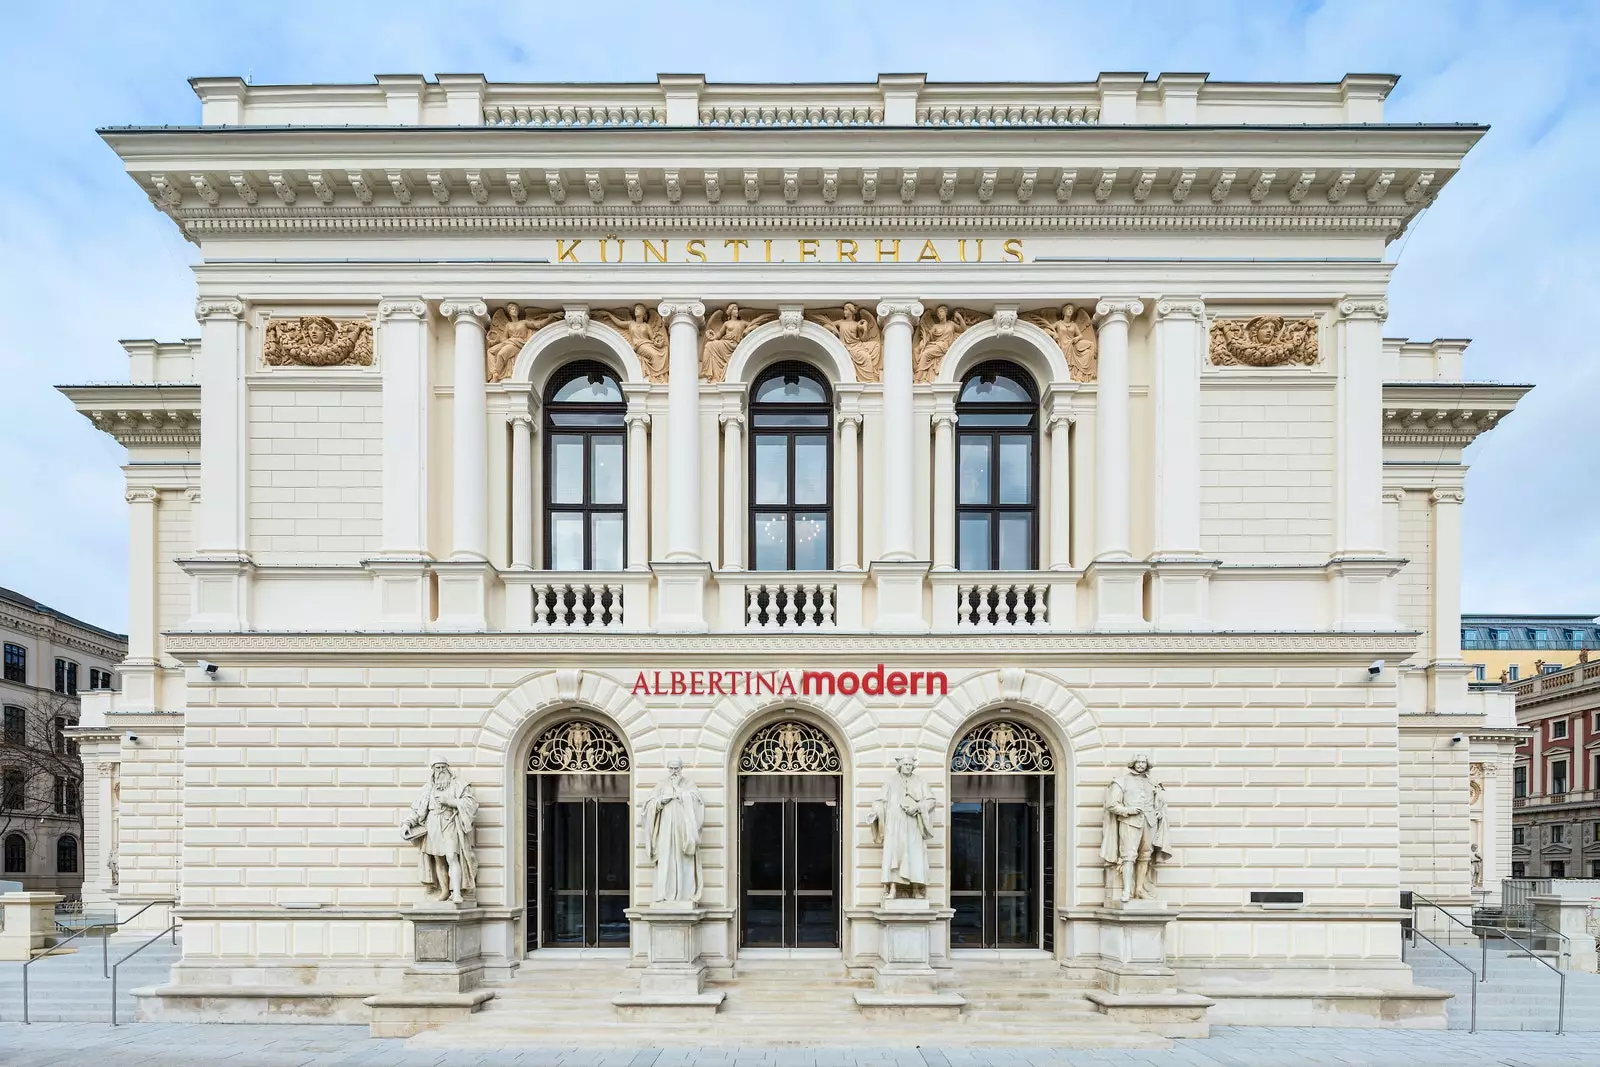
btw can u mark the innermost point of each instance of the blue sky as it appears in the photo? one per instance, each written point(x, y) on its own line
point(1507, 256)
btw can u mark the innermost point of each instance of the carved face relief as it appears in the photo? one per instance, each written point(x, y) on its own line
point(317, 341)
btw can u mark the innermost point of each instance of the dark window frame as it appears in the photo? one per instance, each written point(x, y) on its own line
point(15, 730)
point(994, 509)
point(66, 677)
point(789, 510)
point(67, 847)
point(582, 368)
point(16, 663)
point(13, 790)
point(15, 859)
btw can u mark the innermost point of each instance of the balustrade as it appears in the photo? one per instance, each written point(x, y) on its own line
point(1003, 606)
point(577, 606)
point(790, 606)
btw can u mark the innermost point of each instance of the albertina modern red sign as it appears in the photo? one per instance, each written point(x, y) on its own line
point(875, 682)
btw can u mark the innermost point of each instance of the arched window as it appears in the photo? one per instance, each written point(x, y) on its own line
point(67, 855)
point(585, 475)
point(16, 858)
point(791, 470)
point(997, 470)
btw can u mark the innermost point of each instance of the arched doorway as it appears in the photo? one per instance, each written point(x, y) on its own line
point(1002, 838)
point(789, 838)
point(579, 839)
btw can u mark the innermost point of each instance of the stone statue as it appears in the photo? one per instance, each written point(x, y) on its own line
point(856, 329)
point(902, 822)
point(440, 824)
point(1135, 832)
point(1477, 867)
point(934, 337)
point(646, 332)
point(1264, 341)
point(724, 331)
point(1072, 329)
point(317, 341)
point(509, 329)
point(671, 820)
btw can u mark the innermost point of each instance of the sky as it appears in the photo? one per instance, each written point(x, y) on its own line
point(1506, 256)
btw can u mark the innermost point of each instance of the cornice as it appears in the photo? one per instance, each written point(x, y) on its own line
point(133, 415)
point(1445, 413)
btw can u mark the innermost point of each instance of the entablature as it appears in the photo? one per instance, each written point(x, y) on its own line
point(141, 414)
point(1445, 413)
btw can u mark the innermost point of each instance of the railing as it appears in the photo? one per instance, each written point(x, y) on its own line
point(578, 606)
point(1540, 683)
point(1003, 606)
point(1472, 986)
point(1483, 933)
point(105, 952)
point(790, 606)
point(969, 114)
point(172, 928)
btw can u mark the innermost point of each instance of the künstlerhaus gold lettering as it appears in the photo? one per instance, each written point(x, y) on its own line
point(592, 251)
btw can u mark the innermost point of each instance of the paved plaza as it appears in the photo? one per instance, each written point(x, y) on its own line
point(294, 1045)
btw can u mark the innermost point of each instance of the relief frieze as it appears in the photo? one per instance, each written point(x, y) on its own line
point(1072, 329)
point(317, 341)
point(510, 327)
point(1264, 341)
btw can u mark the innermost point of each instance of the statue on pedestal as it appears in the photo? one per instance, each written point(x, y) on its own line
point(902, 822)
point(1135, 832)
point(671, 820)
point(440, 824)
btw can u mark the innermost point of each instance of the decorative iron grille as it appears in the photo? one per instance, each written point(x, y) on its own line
point(789, 747)
point(1002, 747)
point(578, 746)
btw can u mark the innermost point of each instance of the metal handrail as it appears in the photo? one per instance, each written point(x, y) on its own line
point(1561, 976)
point(1482, 944)
point(1459, 963)
point(173, 930)
point(104, 950)
point(1566, 952)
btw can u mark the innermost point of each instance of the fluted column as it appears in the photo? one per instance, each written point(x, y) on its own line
point(470, 435)
point(846, 510)
point(1113, 432)
point(944, 485)
point(683, 442)
point(521, 489)
point(638, 486)
point(898, 318)
point(733, 514)
point(1060, 427)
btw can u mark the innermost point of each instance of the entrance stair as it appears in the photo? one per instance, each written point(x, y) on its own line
point(565, 1000)
point(1520, 994)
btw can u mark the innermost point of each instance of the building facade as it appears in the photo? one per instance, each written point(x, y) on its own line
point(556, 431)
point(50, 660)
point(1556, 779)
point(1509, 648)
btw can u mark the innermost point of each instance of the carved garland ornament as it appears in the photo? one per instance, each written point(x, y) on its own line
point(1264, 341)
point(317, 341)
point(1002, 747)
point(789, 747)
point(578, 746)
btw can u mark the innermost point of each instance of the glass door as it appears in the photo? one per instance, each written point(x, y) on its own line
point(997, 852)
point(789, 841)
point(578, 847)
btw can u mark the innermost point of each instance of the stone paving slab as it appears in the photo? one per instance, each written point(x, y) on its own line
point(289, 1045)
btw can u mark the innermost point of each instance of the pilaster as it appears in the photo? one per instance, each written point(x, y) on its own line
point(400, 570)
point(683, 433)
point(897, 318)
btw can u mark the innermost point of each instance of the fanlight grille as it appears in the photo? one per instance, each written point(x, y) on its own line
point(789, 747)
point(578, 746)
point(1002, 747)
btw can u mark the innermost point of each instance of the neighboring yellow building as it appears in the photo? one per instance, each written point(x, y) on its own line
point(1519, 646)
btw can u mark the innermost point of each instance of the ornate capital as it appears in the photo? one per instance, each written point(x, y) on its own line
point(403, 308)
point(1005, 321)
point(577, 319)
point(141, 495)
point(1359, 308)
point(1116, 309)
point(848, 418)
point(225, 308)
point(1394, 495)
point(687, 310)
point(520, 418)
point(1191, 309)
point(637, 416)
point(944, 416)
point(1449, 495)
point(1060, 418)
point(192, 494)
point(791, 318)
point(465, 310)
point(731, 418)
point(889, 310)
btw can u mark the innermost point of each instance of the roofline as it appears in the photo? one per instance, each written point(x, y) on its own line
point(106, 132)
point(11, 596)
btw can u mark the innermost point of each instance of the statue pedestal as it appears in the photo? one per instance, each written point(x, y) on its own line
point(1139, 986)
point(441, 985)
point(673, 983)
point(906, 983)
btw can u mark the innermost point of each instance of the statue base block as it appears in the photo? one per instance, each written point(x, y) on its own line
point(1139, 987)
point(905, 983)
point(673, 983)
point(441, 985)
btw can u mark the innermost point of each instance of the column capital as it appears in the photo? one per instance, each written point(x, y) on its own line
point(1449, 495)
point(192, 494)
point(731, 418)
point(675, 311)
point(407, 307)
point(889, 310)
point(517, 418)
point(1118, 308)
point(636, 416)
point(1180, 307)
point(463, 309)
point(218, 308)
point(848, 418)
point(141, 495)
point(1372, 308)
point(1060, 418)
point(1393, 494)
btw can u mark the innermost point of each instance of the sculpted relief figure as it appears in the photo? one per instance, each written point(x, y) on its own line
point(857, 329)
point(934, 336)
point(902, 822)
point(1072, 328)
point(1264, 341)
point(317, 341)
point(671, 820)
point(724, 331)
point(1135, 829)
point(440, 825)
point(646, 331)
point(509, 329)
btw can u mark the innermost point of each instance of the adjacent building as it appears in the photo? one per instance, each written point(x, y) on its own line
point(1509, 648)
point(50, 660)
point(1556, 780)
point(557, 431)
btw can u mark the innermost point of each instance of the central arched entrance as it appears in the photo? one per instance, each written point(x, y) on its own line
point(579, 837)
point(789, 838)
point(1002, 838)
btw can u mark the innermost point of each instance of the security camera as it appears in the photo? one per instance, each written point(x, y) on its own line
point(1375, 668)
point(1456, 739)
point(133, 739)
point(210, 668)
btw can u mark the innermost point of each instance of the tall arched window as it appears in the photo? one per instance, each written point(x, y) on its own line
point(16, 854)
point(67, 855)
point(791, 470)
point(585, 475)
point(997, 475)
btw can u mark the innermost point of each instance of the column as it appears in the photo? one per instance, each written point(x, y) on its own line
point(521, 489)
point(1177, 427)
point(1446, 583)
point(105, 832)
point(733, 513)
point(142, 613)
point(1363, 594)
point(399, 572)
point(897, 317)
point(845, 506)
point(470, 432)
point(1118, 582)
point(222, 412)
point(944, 485)
point(1060, 428)
point(1492, 829)
point(683, 410)
point(638, 486)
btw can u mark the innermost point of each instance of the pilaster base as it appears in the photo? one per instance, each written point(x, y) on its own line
point(673, 983)
point(463, 594)
point(1180, 593)
point(905, 983)
point(681, 596)
point(898, 584)
point(441, 986)
point(1118, 594)
point(1138, 986)
point(400, 589)
point(1363, 595)
point(219, 589)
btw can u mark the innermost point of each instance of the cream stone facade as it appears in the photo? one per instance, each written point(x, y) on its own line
point(787, 430)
